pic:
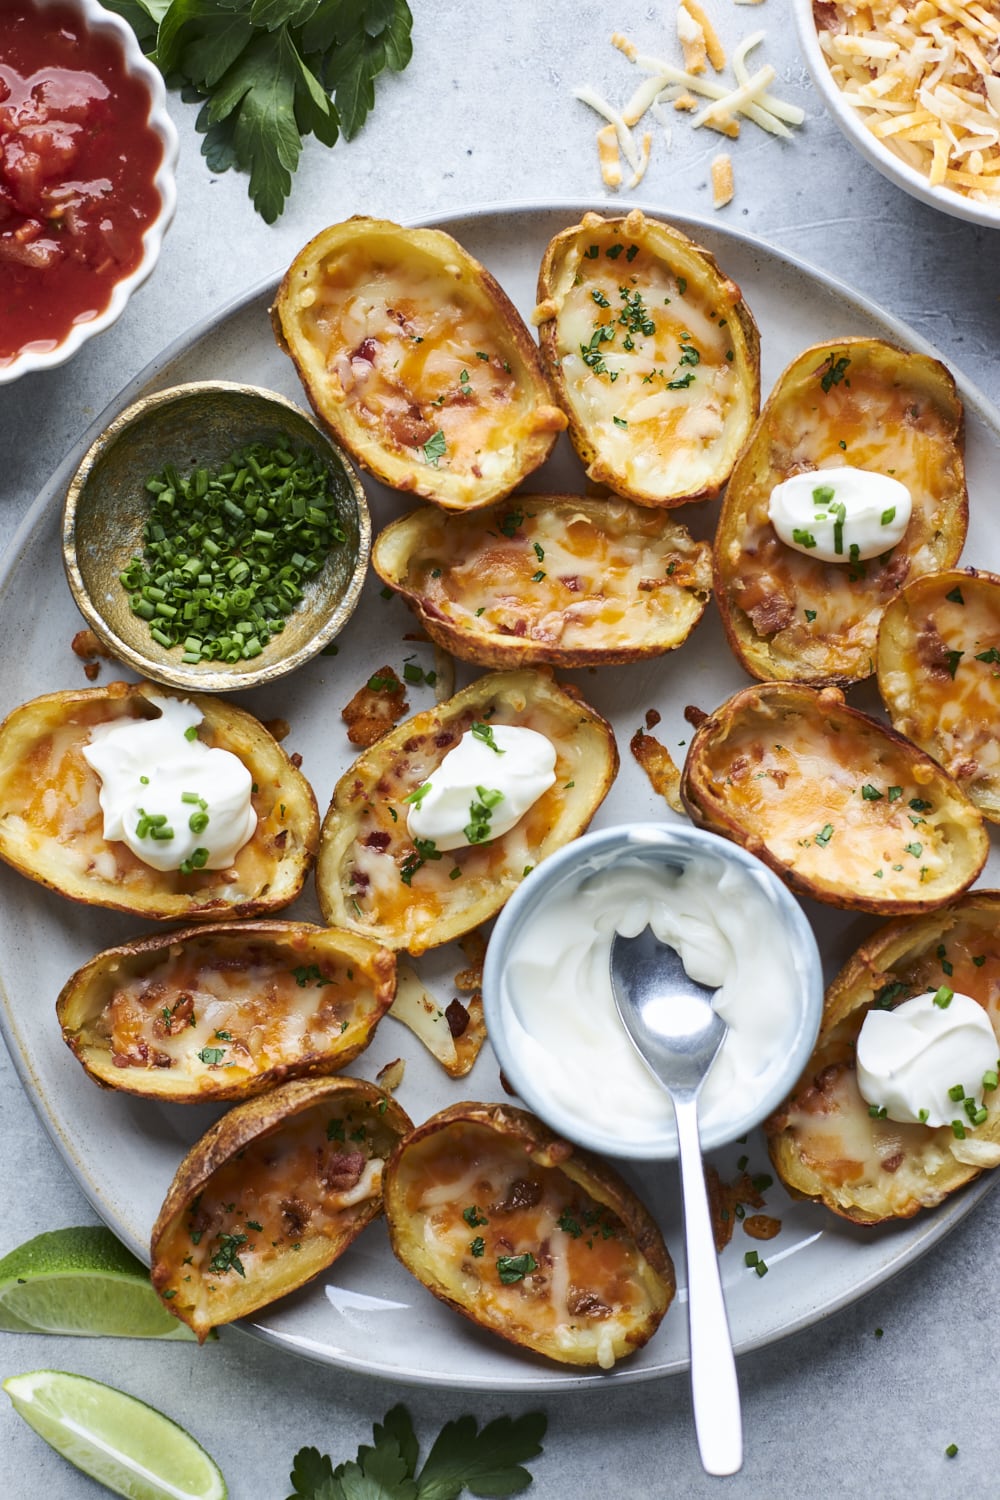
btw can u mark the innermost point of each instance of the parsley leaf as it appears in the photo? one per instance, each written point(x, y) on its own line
point(487, 1463)
point(270, 72)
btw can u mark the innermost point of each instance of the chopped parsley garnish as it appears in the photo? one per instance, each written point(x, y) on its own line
point(306, 973)
point(954, 657)
point(226, 1257)
point(919, 805)
point(211, 1056)
point(835, 373)
point(511, 1268)
point(824, 836)
point(435, 448)
point(955, 595)
point(810, 615)
point(871, 793)
point(425, 849)
point(895, 792)
point(915, 849)
point(681, 383)
point(619, 421)
point(992, 655)
point(473, 1217)
point(511, 522)
point(538, 550)
point(888, 993)
point(477, 1246)
point(568, 1224)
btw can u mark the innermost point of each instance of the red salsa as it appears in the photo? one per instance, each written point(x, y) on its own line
point(78, 160)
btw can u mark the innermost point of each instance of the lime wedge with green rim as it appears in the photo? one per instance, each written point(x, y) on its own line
point(82, 1281)
point(126, 1445)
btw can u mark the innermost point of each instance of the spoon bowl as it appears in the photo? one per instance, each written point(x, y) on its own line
point(673, 1027)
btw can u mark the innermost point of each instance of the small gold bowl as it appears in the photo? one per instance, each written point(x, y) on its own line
point(107, 505)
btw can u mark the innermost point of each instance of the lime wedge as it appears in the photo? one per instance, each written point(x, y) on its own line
point(81, 1281)
point(126, 1445)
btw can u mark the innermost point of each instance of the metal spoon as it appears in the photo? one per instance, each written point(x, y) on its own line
point(672, 1025)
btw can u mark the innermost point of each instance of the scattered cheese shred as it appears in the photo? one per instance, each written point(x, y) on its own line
point(684, 87)
point(722, 180)
point(924, 78)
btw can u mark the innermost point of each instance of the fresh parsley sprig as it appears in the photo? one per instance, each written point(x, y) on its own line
point(267, 73)
point(487, 1463)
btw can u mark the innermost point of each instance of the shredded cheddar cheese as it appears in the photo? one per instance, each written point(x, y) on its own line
point(744, 94)
point(722, 180)
point(923, 77)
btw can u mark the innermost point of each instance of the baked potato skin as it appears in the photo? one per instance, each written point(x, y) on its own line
point(369, 878)
point(514, 1182)
point(417, 361)
point(47, 787)
point(269, 1185)
point(843, 808)
point(865, 403)
point(226, 1011)
point(824, 1143)
point(558, 580)
point(698, 378)
point(937, 659)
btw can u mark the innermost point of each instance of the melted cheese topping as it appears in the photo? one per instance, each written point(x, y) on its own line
point(876, 1165)
point(820, 618)
point(578, 577)
point(838, 802)
point(649, 364)
point(318, 1177)
point(52, 813)
point(225, 1011)
point(418, 362)
point(477, 1204)
point(939, 674)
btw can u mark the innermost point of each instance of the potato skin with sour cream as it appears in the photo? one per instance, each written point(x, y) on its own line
point(270, 1196)
point(858, 402)
point(226, 1011)
point(823, 1141)
point(51, 826)
point(843, 808)
point(417, 361)
point(369, 876)
point(527, 1236)
point(548, 578)
point(654, 354)
point(938, 661)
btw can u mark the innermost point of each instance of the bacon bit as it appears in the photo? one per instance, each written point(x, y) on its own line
point(390, 1076)
point(655, 759)
point(694, 716)
point(505, 1084)
point(521, 1194)
point(373, 711)
point(761, 1226)
point(278, 729)
point(85, 644)
point(377, 839)
point(178, 1019)
point(586, 1304)
point(652, 718)
point(339, 1171)
point(893, 1163)
point(458, 1018)
point(723, 1198)
point(296, 759)
point(92, 670)
point(296, 1215)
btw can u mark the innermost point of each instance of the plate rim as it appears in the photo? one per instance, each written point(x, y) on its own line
point(932, 1228)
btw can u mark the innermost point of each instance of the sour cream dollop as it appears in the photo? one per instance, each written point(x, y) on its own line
point(565, 1033)
point(840, 515)
point(908, 1058)
point(483, 787)
point(159, 779)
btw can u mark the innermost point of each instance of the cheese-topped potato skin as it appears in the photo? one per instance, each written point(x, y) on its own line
point(227, 1011)
point(417, 361)
point(370, 876)
point(861, 403)
point(51, 825)
point(554, 579)
point(654, 355)
point(843, 808)
point(527, 1235)
point(938, 661)
point(270, 1196)
point(823, 1141)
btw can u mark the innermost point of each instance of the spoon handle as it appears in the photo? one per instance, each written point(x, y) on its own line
point(715, 1393)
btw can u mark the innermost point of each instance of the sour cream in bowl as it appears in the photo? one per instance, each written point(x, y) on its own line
point(547, 984)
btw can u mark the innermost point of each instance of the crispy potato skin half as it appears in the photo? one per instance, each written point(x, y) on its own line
point(283, 1183)
point(417, 361)
point(227, 1011)
point(602, 1278)
point(366, 853)
point(635, 299)
point(843, 808)
point(51, 826)
point(862, 402)
point(548, 579)
point(823, 1142)
point(937, 672)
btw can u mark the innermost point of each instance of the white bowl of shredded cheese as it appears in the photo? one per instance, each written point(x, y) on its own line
point(916, 88)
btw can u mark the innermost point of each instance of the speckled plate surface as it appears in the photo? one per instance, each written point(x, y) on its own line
point(366, 1313)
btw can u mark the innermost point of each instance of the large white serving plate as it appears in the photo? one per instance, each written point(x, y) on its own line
point(366, 1313)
